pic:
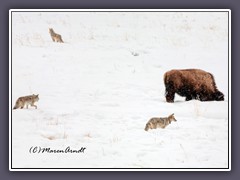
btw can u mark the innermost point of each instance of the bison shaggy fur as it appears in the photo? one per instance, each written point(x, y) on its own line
point(192, 84)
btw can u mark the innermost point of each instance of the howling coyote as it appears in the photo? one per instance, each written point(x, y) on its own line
point(155, 122)
point(55, 37)
point(26, 100)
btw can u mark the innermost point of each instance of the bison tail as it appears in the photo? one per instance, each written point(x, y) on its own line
point(165, 78)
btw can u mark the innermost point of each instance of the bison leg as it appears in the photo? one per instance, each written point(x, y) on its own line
point(169, 92)
point(170, 97)
point(188, 98)
point(192, 96)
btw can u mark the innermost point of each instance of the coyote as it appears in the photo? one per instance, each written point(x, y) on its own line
point(26, 100)
point(155, 122)
point(55, 37)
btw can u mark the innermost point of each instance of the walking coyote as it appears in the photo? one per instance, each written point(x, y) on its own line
point(55, 37)
point(155, 122)
point(26, 100)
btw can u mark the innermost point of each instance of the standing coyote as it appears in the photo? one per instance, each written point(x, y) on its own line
point(155, 122)
point(26, 100)
point(55, 37)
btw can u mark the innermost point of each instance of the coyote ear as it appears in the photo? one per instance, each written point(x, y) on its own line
point(172, 114)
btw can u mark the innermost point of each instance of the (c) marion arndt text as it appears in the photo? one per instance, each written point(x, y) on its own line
point(38, 149)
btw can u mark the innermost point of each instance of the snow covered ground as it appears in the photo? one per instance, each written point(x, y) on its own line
point(99, 88)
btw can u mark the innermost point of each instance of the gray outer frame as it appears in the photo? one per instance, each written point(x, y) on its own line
point(94, 4)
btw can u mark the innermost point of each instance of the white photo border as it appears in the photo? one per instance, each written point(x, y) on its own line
point(119, 169)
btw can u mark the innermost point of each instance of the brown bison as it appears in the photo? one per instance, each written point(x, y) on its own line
point(192, 84)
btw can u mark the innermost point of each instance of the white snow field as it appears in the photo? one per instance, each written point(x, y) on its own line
point(99, 88)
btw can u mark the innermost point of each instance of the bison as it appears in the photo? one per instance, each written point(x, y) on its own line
point(192, 84)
